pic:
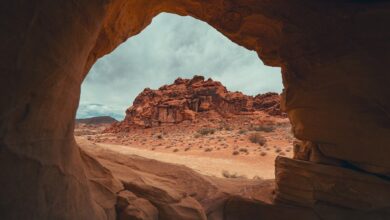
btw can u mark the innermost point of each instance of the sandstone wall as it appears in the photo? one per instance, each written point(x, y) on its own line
point(333, 55)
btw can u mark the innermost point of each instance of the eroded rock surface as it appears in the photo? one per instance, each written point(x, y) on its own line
point(171, 191)
point(333, 56)
point(185, 98)
point(131, 207)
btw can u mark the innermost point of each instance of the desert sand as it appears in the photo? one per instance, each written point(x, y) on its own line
point(224, 152)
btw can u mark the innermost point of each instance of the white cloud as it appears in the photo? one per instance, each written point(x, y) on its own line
point(170, 47)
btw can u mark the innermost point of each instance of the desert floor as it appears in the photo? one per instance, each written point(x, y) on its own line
point(214, 148)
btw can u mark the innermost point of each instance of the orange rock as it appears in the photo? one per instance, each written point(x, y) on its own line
point(185, 97)
point(332, 56)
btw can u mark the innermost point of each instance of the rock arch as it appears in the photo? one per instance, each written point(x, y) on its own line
point(332, 54)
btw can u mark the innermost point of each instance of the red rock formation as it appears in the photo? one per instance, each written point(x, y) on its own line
point(268, 102)
point(185, 98)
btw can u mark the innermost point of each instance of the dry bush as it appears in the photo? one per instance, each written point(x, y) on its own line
point(263, 154)
point(227, 174)
point(242, 131)
point(206, 131)
point(209, 149)
point(243, 150)
point(235, 153)
point(264, 128)
point(175, 150)
point(257, 138)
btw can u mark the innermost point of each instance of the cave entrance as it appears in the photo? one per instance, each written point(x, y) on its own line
point(181, 118)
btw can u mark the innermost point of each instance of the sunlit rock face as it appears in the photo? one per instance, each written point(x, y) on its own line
point(333, 56)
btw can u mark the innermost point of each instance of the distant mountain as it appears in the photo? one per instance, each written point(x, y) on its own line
point(88, 110)
point(97, 120)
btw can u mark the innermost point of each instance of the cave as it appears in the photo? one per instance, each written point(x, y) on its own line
point(333, 56)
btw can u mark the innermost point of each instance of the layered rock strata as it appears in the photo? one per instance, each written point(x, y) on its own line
point(185, 98)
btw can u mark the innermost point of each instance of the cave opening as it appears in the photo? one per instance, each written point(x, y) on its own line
point(184, 93)
point(336, 96)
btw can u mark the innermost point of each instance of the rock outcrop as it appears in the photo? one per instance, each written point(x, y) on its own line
point(185, 98)
point(333, 56)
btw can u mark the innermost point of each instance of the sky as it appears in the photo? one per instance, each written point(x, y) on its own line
point(171, 46)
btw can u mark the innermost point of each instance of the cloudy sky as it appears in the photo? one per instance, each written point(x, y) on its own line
point(172, 46)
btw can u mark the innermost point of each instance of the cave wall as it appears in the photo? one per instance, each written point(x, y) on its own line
point(333, 56)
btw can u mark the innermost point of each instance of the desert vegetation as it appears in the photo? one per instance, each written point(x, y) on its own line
point(263, 128)
point(258, 138)
point(227, 174)
point(206, 131)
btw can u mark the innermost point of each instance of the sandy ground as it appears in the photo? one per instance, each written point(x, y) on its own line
point(206, 165)
point(226, 152)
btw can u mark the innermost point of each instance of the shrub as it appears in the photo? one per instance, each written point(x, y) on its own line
point(257, 138)
point(208, 149)
point(227, 174)
point(206, 131)
point(175, 150)
point(264, 128)
point(243, 150)
point(235, 153)
point(242, 131)
point(263, 154)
